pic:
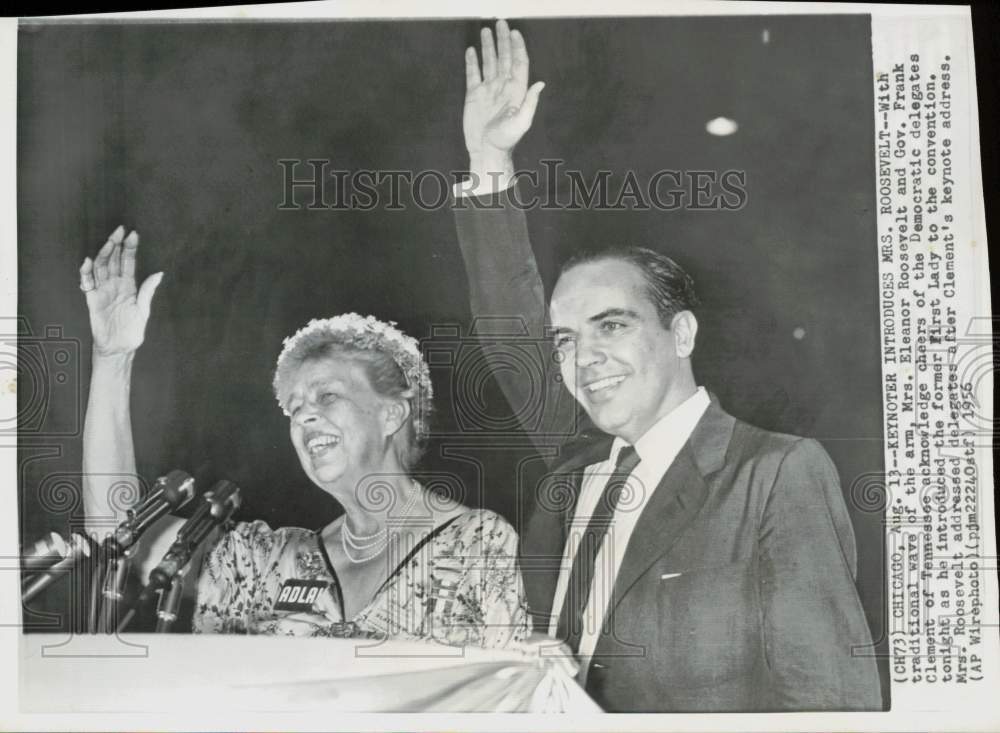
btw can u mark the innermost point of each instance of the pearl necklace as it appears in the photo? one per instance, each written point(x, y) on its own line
point(374, 543)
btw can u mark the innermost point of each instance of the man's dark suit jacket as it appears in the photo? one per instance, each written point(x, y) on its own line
point(737, 591)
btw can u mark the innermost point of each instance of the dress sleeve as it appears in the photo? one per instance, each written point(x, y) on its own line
point(492, 587)
point(231, 579)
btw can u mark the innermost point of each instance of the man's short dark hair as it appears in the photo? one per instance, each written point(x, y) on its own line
point(668, 286)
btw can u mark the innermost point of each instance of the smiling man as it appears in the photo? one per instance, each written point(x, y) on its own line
point(622, 319)
point(701, 564)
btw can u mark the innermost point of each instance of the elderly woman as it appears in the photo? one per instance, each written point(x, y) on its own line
point(399, 562)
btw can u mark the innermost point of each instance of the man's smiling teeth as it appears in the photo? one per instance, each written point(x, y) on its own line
point(604, 383)
point(321, 441)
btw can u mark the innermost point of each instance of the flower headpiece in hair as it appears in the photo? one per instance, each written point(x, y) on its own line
point(368, 333)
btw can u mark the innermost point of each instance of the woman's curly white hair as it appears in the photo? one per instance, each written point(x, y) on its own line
point(367, 337)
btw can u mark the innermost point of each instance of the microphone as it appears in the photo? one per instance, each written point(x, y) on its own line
point(110, 574)
point(79, 546)
point(221, 502)
point(170, 492)
point(45, 553)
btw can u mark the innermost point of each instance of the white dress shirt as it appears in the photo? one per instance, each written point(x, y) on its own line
point(657, 449)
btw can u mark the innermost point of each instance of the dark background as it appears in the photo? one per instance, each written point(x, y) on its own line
point(175, 129)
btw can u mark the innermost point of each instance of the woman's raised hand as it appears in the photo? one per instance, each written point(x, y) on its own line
point(118, 313)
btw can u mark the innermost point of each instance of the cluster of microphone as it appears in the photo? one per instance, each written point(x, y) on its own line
point(52, 556)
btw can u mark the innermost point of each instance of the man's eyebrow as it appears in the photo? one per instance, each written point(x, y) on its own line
point(614, 313)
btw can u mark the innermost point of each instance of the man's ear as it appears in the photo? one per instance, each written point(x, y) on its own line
point(685, 328)
point(395, 413)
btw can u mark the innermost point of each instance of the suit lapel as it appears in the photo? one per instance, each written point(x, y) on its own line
point(541, 552)
point(548, 527)
point(678, 497)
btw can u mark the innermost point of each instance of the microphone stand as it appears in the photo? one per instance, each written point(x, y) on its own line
point(111, 573)
point(115, 578)
point(170, 603)
point(167, 578)
point(97, 573)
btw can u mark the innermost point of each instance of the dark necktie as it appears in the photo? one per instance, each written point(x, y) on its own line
point(578, 589)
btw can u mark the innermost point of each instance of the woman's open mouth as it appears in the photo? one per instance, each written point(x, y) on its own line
point(320, 444)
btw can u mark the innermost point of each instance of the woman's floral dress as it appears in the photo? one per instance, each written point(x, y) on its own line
point(459, 585)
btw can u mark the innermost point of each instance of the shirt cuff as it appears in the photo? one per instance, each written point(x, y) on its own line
point(489, 186)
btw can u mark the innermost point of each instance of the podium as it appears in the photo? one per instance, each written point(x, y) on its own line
point(159, 672)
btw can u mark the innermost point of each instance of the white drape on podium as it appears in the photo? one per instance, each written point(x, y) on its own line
point(140, 672)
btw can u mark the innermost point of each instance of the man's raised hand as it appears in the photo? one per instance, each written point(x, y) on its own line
point(499, 106)
point(118, 313)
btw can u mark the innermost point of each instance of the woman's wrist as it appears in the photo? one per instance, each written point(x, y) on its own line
point(120, 362)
